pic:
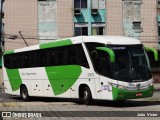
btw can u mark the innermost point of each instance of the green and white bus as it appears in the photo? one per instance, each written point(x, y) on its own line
point(85, 67)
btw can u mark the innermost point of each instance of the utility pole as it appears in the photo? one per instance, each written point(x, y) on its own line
point(1, 37)
point(1, 20)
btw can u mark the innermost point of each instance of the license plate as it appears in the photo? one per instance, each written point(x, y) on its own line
point(138, 94)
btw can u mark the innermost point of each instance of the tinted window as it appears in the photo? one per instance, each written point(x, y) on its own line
point(99, 59)
point(92, 46)
point(66, 55)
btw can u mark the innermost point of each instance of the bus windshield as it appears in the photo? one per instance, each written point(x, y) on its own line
point(131, 63)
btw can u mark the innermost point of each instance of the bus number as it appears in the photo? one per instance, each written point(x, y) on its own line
point(90, 74)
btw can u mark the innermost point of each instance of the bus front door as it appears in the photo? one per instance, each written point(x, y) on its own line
point(105, 88)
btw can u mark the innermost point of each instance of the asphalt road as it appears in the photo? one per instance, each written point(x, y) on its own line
point(69, 109)
point(10, 98)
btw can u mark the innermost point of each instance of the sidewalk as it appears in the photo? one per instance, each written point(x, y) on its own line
point(156, 86)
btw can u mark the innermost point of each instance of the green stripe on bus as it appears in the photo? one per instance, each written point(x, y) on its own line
point(8, 52)
point(14, 78)
point(63, 77)
point(56, 44)
point(155, 52)
point(109, 51)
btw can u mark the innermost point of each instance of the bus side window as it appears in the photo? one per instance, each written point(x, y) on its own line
point(21, 60)
point(104, 64)
point(51, 57)
point(72, 56)
point(58, 56)
point(30, 59)
point(15, 61)
point(94, 56)
point(34, 59)
point(26, 62)
point(43, 57)
point(82, 57)
point(7, 61)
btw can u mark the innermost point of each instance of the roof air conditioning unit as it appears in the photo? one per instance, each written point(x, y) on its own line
point(77, 11)
point(94, 11)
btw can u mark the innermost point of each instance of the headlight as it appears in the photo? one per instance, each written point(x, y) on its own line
point(116, 85)
point(121, 87)
point(151, 84)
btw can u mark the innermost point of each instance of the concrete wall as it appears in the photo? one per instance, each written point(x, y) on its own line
point(149, 14)
point(20, 15)
point(47, 24)
point(65, 20)
point(87, 17)
point(131, 13)
point(114, 17)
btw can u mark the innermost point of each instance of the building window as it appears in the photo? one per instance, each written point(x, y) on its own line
point(98, 28)
point(98, 4)
point(81, 29)
point(137, 26)
point(80, 3)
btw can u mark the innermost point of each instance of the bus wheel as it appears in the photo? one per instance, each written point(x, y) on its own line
point(24, 93)
point(87, 97)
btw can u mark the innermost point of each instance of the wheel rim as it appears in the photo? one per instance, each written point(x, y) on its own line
point(24, 94)
point(85, 96)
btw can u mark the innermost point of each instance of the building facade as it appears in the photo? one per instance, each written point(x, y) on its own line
point(39, 21)
point(45, 20)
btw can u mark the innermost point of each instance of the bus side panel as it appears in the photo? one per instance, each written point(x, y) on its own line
point(88, 78)
point(8, 85)
point(62, 78)
point(105, 88)
point(35, 80)
point(47, 89)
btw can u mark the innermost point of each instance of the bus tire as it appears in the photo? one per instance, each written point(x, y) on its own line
point(87, 96)
point(24, 93)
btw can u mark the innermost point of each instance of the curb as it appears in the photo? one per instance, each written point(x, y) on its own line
point(156, 86)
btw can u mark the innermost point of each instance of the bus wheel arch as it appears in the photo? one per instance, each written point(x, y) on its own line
point(85, 94)
point(24, 92)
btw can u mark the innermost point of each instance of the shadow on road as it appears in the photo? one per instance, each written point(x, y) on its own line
point(127, 103)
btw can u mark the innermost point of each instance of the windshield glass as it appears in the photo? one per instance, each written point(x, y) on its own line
point(131, 63)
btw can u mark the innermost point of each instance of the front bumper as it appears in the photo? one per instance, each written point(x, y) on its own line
point(122, 94)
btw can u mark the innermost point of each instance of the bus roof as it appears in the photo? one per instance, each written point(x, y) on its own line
point(112, 40)
point(115, 40)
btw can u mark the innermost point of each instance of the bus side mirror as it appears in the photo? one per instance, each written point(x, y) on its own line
point(154, 51)
point(109, 51)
